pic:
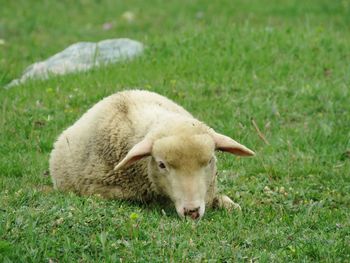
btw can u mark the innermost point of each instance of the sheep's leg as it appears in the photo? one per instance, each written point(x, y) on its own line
point(223, 201)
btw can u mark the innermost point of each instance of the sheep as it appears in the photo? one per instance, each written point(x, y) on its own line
point(139, 145)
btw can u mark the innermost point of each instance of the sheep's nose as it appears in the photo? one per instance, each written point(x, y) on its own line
point(193, 212)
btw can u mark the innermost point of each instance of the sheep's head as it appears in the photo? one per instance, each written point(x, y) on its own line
point(184, 167)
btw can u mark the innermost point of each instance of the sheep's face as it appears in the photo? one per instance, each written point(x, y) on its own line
point(184, 168)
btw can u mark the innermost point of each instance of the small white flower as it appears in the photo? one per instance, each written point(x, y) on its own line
point(128, 16)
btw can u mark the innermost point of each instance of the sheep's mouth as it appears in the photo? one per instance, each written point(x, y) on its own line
point(194, 213)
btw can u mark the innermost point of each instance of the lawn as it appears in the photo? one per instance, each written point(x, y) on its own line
point(280, 67)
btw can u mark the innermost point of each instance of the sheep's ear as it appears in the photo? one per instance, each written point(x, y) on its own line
point(226, 144)
point(139, 151)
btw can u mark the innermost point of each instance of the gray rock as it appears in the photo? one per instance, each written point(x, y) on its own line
point(81, 56)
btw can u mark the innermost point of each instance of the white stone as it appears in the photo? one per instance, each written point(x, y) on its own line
point(81, 56)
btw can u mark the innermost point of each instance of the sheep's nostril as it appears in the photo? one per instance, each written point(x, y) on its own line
point(193, 213)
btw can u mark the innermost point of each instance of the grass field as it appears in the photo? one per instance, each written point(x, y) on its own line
point(283, 64)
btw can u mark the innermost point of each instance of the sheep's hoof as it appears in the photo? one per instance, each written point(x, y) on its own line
point(224, 202)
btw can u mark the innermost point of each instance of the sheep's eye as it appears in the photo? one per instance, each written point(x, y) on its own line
point(161, 165)
point(211, 161)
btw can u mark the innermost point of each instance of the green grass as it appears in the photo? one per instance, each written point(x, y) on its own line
point(284, 64)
